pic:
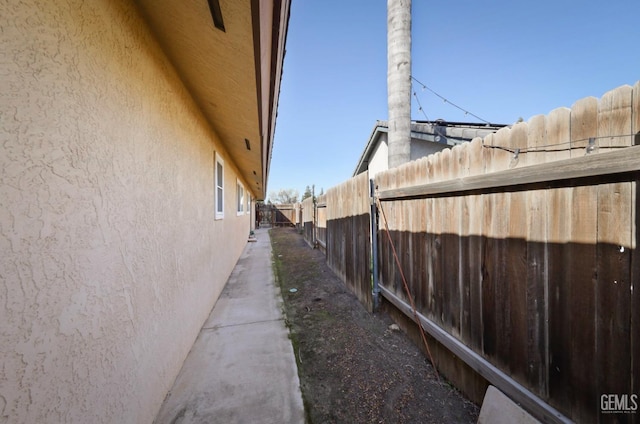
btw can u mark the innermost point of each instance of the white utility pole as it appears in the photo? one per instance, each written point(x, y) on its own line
point(399, 80)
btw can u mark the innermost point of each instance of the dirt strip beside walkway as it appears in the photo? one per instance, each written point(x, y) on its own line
point(354, 367)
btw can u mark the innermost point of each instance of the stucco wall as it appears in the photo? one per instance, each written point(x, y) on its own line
point(379, 159)
point(110, 259)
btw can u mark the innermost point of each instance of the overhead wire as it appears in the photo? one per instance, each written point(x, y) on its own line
point(466, 112)
point(536, 149)
point(420, 108)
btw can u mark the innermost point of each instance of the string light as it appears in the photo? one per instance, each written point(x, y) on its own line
point(435, 127)
point(466, 112)
point(514, 160)
point(590, 148)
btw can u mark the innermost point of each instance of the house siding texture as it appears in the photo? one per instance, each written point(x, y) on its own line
point(110, 257)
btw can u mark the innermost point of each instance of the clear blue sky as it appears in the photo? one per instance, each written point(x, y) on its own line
point(499, 59)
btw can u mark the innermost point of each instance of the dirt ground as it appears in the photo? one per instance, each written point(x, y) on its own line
point(354, 367)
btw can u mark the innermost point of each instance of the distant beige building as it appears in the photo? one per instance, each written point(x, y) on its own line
point(427, 138)
point(134, 139)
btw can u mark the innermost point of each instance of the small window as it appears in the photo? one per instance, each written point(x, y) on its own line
point(240, 198)
point(248, 211)
point(219, 183)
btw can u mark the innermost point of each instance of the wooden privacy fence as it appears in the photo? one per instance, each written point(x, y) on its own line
point(522, 248)
point(278, 214)
point(284, 214)
point(314, 221)
point(338, 223)
point(519, 250)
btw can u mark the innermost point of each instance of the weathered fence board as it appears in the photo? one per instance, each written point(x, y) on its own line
point(437, 253)
point(464, 271)
point(308, 220)
point(582, 265)
point(558, 210)
point(475, 247)
point(536, 294)
point(348, 241)
point(516, 265)
point(450, 249)
point(314, 221)
point(613, 343)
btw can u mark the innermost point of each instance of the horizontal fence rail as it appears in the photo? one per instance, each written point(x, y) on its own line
point(624, 163)
point(494, 375)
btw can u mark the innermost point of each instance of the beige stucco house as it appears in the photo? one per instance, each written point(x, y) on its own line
point(134, 138)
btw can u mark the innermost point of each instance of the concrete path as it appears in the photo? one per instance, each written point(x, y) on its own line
point(241, 368)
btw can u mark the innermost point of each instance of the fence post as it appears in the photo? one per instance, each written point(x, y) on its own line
point(374, 243)
point(314, 218)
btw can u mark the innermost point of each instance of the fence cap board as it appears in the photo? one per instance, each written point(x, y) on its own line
point(622, 161)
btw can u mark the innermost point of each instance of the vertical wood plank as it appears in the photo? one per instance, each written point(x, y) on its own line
point(489, 304)
point(421, 239)
point(430, 293)
point(583, 273)
point(452, 230)
point(499, 237)
point(390, 209)
point(411, 229)
point(536, 266)
point(613, 254)
point(404, 230)
point(437, 251)
point(559, 207)
point(496, 305)
point(475, 247)
point(515, 256)
point(464, 254)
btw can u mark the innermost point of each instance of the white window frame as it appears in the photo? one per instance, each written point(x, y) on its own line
point(239, 198)
point(218, 187)
point(248, 195)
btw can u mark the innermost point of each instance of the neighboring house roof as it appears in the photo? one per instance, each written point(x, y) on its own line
point(441, 134)
point(229, 55)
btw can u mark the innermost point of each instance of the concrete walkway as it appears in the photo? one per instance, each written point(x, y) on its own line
point(241, 368)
